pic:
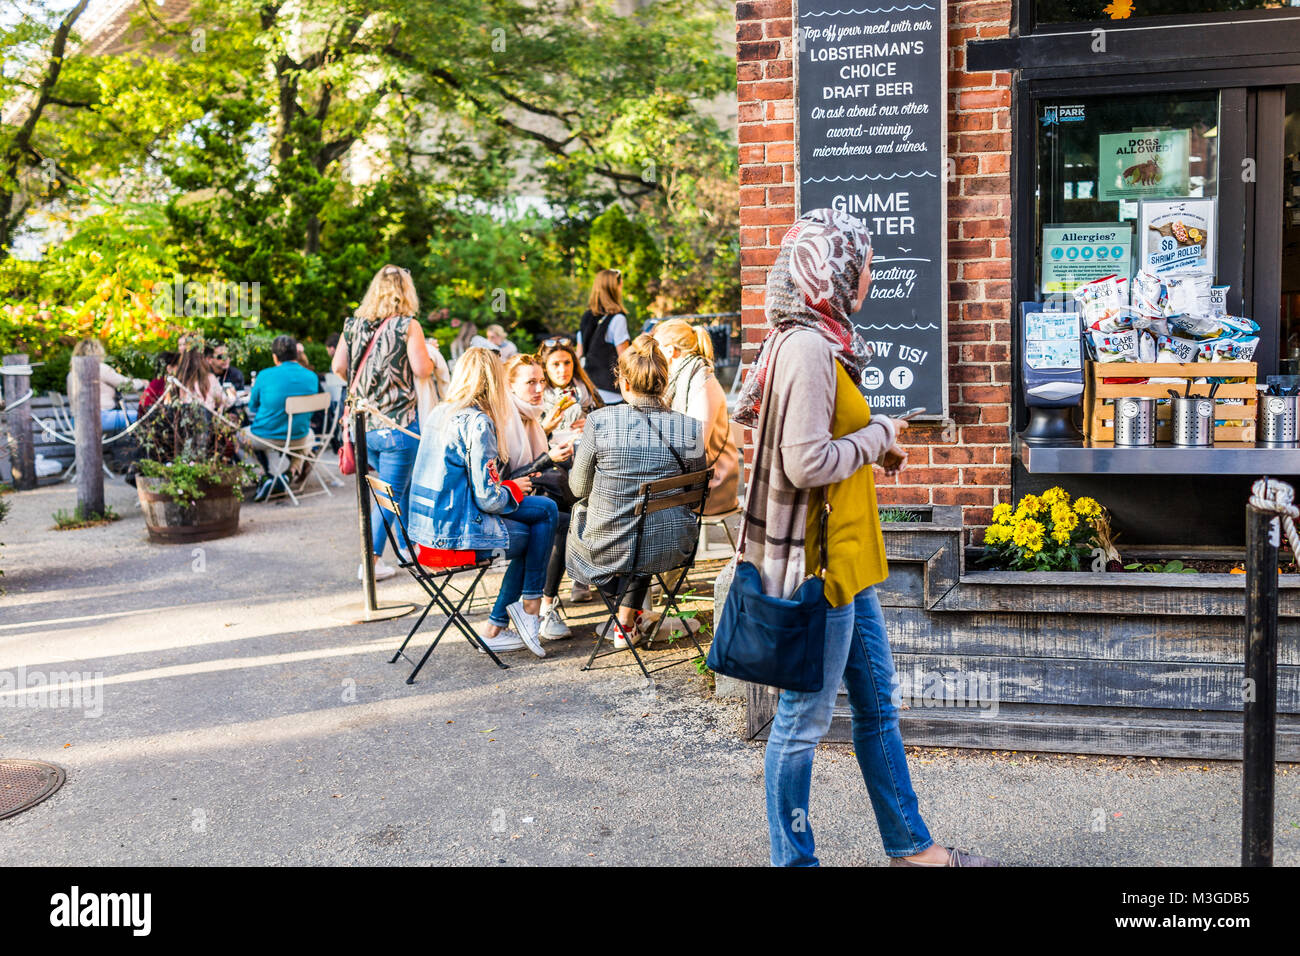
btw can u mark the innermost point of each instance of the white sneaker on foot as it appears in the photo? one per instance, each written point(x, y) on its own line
point(528, 626)
point(382, 571)
point(581, 593)
point(620, 635)
point(553, 627)
point(507, 640)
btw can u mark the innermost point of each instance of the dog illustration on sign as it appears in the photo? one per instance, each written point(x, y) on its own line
point(1143, 174)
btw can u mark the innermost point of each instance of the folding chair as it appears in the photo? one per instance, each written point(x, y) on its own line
point(437, 582)
point(312, 463)
point(280, 455)
point(684, 491)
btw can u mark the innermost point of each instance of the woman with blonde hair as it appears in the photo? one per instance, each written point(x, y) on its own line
point(380, 355)
point(602, 333)
point(113, 416)
point(693, 390)
point(462, 511)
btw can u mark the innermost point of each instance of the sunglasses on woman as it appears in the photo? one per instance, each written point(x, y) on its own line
point(556, 341)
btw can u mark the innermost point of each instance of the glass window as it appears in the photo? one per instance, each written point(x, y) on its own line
point(1075, 11)
point(1097, 157)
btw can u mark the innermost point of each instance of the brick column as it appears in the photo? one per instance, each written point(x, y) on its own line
point(968, 463)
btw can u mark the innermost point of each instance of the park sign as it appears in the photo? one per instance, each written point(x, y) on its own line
point(870, 129)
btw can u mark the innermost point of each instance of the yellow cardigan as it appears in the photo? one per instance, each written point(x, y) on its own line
point(856, 551)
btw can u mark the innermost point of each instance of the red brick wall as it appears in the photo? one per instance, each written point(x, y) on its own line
point(969, 462)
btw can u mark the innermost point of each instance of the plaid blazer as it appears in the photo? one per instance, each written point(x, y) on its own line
point(620, 451)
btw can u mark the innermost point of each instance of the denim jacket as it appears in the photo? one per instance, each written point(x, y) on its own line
point(457, 494)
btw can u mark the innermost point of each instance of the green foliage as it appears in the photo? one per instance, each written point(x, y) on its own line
point(191, 449)
point(1169, 567)
point(298, 160)
point(899, 515)
point(1043, 533)
point(80, 518)
point(186, 481)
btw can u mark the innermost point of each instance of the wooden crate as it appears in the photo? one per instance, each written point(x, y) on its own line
point(1099, 397)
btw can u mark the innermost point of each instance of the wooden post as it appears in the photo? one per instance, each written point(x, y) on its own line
point(23, 461)
point(89, 434)
point(1259, 733)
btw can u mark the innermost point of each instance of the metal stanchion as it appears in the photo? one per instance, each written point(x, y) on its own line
point(369, 609)
point(1259, 737)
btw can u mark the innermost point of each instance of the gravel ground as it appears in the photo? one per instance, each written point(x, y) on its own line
point(239, 722)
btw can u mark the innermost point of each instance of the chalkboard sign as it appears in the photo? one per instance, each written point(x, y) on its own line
point(871, 87)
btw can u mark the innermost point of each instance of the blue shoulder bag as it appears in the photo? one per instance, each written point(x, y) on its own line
point(768, 640)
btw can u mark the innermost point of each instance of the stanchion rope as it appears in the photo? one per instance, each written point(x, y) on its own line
point(1277, 497)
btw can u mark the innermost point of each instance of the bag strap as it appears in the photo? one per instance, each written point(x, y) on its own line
point(761, 431)
point(374, 340)
point(680, 464)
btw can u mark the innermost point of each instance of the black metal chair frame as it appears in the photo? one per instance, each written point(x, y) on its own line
point(688, 490)
point(437, 583)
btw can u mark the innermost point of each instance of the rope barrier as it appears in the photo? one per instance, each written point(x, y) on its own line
point(1269, 496)
point(22, 401)
point(364, 404)
point(60, 436)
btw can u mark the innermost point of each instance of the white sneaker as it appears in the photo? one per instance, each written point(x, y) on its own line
point(528, 626)
point(507, 640)
point(581, 593)
point(382, 571)
point(553, 627)
point(620, 635)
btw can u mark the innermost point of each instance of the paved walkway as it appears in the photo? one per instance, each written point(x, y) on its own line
point(242, 724)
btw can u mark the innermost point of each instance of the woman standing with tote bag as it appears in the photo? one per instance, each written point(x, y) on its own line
point(817, 441)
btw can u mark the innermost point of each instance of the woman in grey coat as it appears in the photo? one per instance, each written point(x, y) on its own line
point(623, 446)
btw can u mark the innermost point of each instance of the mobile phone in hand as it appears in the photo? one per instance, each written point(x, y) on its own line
point(911, 413)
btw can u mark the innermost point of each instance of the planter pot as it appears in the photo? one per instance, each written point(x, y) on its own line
point(215, 515)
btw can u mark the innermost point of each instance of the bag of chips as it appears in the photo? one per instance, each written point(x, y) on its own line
point(1188, 294)
point(1219, 299)
point(1171, 348)
point(1227, 349)
point(1115, 347)
point(1099, 300)
point(1148, 294)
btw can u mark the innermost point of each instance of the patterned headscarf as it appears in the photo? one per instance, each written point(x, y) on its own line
point(813, 285)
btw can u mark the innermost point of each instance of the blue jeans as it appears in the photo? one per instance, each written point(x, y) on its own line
point(115, 419)
point(531, 527)
point(392, 454)
point(857, 650)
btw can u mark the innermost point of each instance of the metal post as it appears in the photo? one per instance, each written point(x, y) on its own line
point(23, 461)
point(1259, 737)
point(89, 434)
point(363, 506)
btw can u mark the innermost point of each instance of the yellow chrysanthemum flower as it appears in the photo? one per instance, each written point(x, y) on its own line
point(1026, 531)
point(1056, 496)
point(1064, 519)
point(1002, 513)
point(1034, 544)
point(1030, 505)
point(1061, 535)
point(997, 534)
point(1087, 507)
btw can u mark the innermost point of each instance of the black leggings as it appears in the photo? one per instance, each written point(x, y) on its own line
point(555, 570)
point(637, 588)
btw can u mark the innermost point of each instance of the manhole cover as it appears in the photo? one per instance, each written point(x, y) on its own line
point(25, 783)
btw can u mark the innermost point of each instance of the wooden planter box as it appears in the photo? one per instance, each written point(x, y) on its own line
point(1123, 663)
point(215, 515)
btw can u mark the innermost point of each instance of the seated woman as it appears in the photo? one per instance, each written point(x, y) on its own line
point(693, 390)
point(624, 446)
point(547, 466)
point(568, 389)
point(567, 400)
point(462, 511)
point(113, 415)
point(165, 363)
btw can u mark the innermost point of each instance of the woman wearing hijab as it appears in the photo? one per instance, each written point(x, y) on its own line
point(816, 442)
